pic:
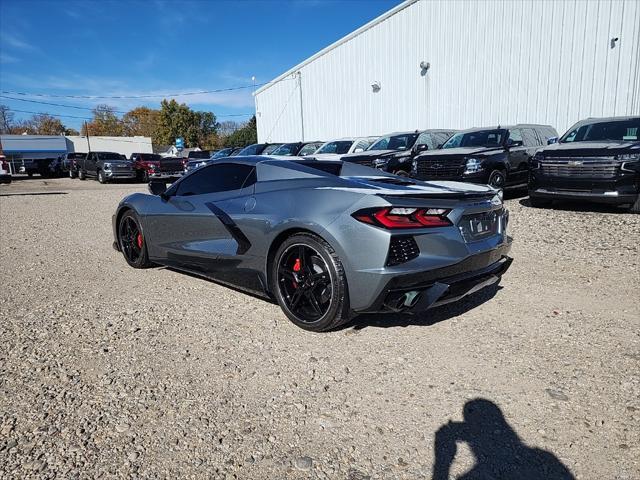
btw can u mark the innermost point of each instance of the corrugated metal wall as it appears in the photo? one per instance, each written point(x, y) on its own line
point(492, 62)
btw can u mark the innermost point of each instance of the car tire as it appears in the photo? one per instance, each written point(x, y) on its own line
point(314, 297)
point(401, 173)
point(635, 208)
point(101, 178)
point(72, 174)
point(131, 241)
point(82, 175)
point(497, 179)
point(540, 202)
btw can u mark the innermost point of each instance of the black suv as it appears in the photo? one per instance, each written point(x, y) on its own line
point(597, 160)
point(393, 153)
point(498, 156)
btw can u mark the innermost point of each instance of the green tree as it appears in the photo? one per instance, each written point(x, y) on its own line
point(246, 135)
point(178, 120)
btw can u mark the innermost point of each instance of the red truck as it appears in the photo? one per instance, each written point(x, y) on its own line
point(150, 165)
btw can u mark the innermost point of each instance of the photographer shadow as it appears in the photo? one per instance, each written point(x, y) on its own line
point(497, 448)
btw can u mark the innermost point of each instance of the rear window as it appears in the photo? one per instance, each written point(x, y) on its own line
point(111, 156)
point(340, 147)
point(202, 154)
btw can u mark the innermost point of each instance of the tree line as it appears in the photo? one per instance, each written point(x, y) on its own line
point(163, 125)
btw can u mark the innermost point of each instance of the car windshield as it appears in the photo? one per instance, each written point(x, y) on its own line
point(308, 149)
point(611, 131)
point(395, 142)
point(478, 138)
point(340, 147)
point(250, 150)
point(270, 149)
point(111, 156)
point(288, 149)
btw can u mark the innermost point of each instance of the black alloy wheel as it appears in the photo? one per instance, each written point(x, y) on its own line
point(132, 242)
point(101, 177)
point(497, 179)
point(82, 175)
point(310, 284)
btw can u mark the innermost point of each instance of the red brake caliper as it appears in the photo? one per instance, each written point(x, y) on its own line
point(296, 268)
point(139, 240)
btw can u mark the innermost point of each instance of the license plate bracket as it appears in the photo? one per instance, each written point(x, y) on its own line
point(478, 226)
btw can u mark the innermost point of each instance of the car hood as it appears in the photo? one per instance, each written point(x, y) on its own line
point(463, 152)
point(589, 149)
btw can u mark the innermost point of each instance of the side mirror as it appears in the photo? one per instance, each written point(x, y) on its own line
point(157, 187)
point(358, 150)
point(552, 140)
point(422, 148)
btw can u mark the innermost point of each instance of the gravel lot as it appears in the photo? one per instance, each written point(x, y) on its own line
point(106, 371)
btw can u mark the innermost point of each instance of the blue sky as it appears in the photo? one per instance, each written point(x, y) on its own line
point(129, 48)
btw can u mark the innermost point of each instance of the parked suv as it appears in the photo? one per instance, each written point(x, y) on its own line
point(105, 166)
point(151, 165)
point(597, 160)
point(498, 156)
point(393, 153)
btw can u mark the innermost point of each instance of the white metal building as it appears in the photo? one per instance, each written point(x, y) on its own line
point(489, 62)
point(123, 145)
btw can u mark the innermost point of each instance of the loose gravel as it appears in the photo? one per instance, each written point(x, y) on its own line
point(111, 372)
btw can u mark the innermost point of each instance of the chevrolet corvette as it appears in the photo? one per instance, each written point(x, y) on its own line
point(327, 240)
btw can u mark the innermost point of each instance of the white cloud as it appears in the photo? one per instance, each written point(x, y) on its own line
point(16, 42)
point(5, 58)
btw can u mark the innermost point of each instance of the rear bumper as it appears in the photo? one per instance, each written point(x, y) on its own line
point(443, 285)
point(167, 175)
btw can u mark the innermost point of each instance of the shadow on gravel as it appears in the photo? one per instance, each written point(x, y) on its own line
point(428, 318)
point(510, 194)
point(497, 448)
point(570, 206)
point(20, 194)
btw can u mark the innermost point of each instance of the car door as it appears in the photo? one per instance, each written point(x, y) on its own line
point(518, 158)
point(90, 163)
point(192, 229)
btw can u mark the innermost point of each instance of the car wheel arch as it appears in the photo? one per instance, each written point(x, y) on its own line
point(280, 239)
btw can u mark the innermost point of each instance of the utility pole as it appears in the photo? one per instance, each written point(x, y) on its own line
point(86, 130)
point(301, 109)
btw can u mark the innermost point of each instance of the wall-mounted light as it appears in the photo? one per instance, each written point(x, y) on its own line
point(424, 67)
point(613, 42)
point(375, 86)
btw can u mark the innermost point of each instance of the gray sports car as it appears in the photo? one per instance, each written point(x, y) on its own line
point(325, 239)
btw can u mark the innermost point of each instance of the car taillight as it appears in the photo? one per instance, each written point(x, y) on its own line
point(404, 217)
